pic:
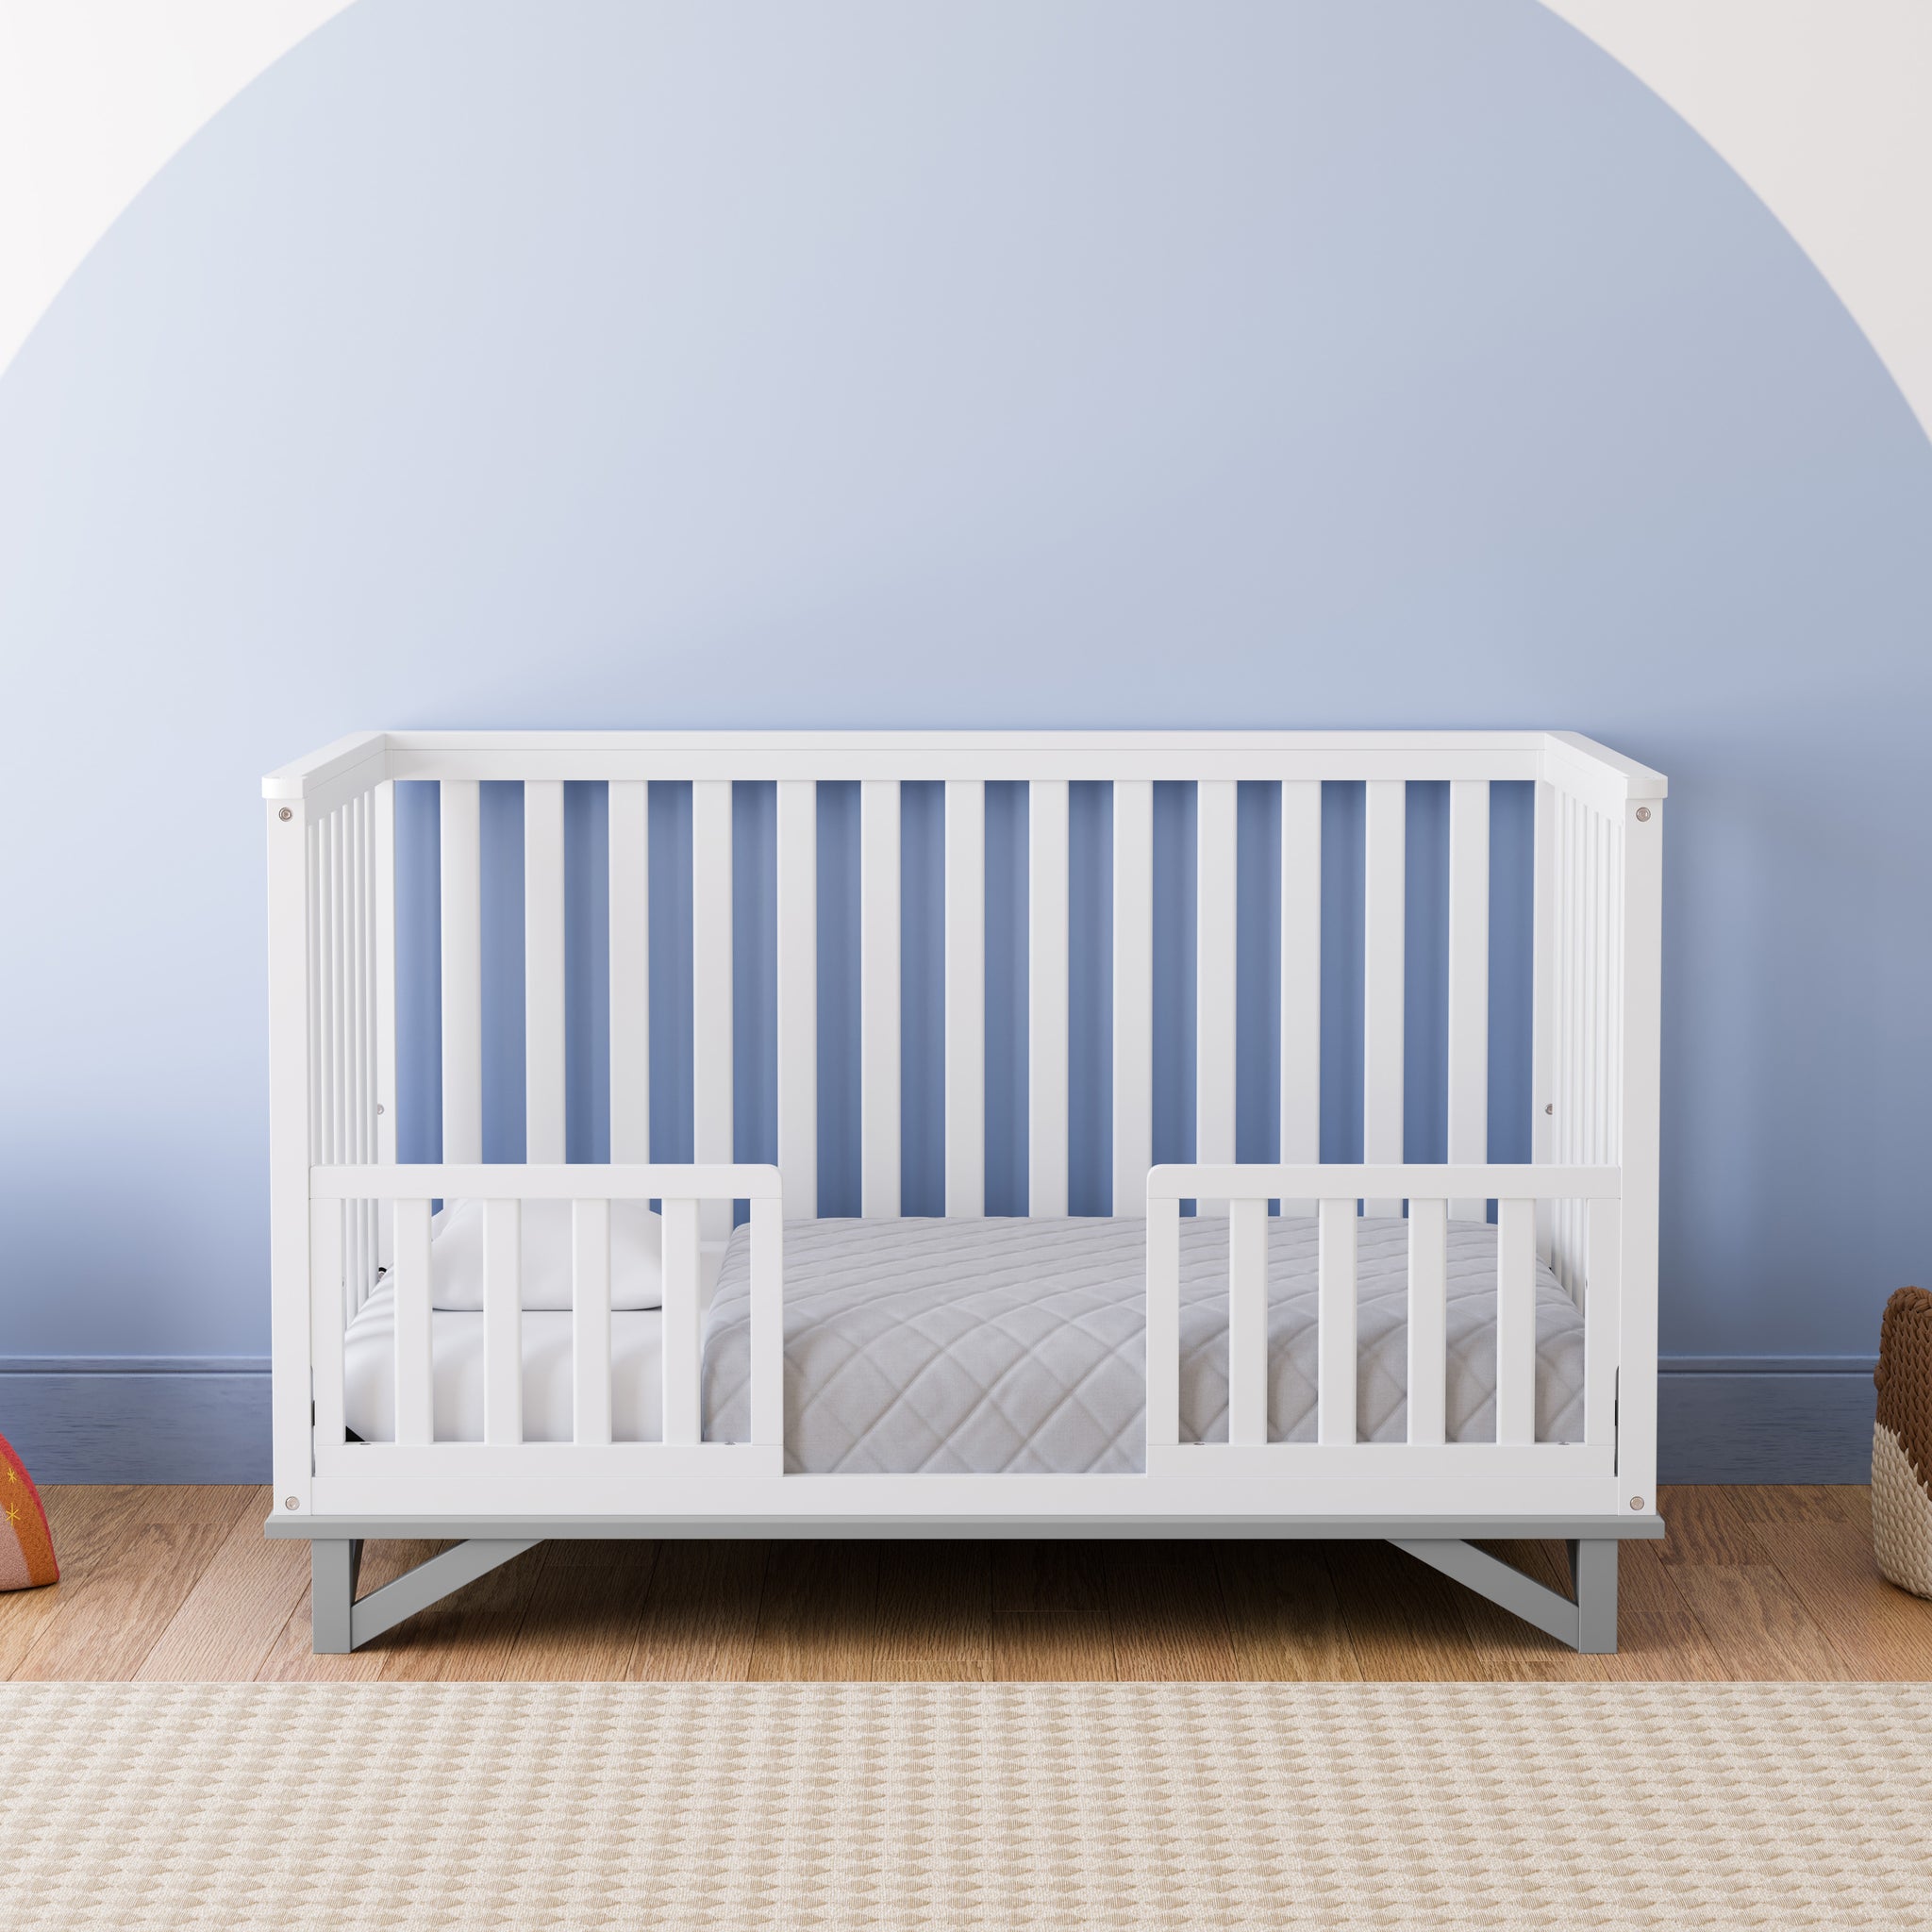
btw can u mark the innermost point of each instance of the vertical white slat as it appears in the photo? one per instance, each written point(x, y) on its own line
point(590, 1322)
point(354, 1092)
point(293, 1144)
point(710, 981)
point(503, 1321)
point(1133, 993)
point(768, 1326)
point(385, 911)
point(463, 974)
point(1469, 981)
point(1640, 1072)
point(798, 995)
point(366, 1133)
point(965, 996)
point(1602, 1291)
point(1215, 832)
point(544, 1060)
point(1163, 1323)
point(325, 1306)
point(680, 1331)
point(1542, 1000)
point(1046, 998)
point(878, 997)
point(331, 1008)
point(1335, 1339)
point(1384, 974)
point(1515, 1322)
point(1428, 1317)
point(1301, 976)
point(1247, 1324)
point(630, 970)
point(415, 1384)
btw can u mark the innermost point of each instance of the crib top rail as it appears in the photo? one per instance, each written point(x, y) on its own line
point(1573, 764)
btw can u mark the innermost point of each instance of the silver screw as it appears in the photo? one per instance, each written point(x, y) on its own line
point(1637, 1502)
point(284, 814)
point(292, 1503)
point(1644, 814)
point(378, 1107)
point(1550, 1106)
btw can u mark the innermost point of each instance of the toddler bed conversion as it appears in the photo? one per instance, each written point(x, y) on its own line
point(1429, 1351)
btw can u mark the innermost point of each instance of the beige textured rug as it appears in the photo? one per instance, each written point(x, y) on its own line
point(1028, 1805)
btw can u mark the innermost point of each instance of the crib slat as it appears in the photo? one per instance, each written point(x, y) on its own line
point(1163, 1323)
point(1301, 976)
point(680, 1331)
point(1046, 1004)
point(503, 1321)
point(1383, 976)
point(1133, 993)
point(326, 1315)
point(798, 995)
point(1335, 1341)
point(589, 1320)
point(543, 969)
point(630, 970)
point(1247, 1324)
point(878, 997)
point(1516, 1321)
point(965, 996)
point(384, 910)
point(768, 1325)
point(1214, 975)
point(1428, 1315)
point(1542, 999)
point(1603, 1300)
point(415, 1387)
point(463, 974)
point(710, 982)
point(1469, 980)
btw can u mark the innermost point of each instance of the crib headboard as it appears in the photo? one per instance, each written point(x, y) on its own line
point(1595, 1030)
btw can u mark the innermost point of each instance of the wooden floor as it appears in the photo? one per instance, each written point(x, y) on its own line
point(172, 1583)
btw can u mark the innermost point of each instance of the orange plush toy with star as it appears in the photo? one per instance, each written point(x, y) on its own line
point(26, 1549)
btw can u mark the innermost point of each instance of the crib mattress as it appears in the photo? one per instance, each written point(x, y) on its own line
point(1013, 1345)
point(999, 1345)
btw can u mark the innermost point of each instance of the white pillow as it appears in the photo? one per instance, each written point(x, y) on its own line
point(637, 1250)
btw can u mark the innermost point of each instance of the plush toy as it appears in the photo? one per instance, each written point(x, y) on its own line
point(26, 1548)
point(1901, 1444)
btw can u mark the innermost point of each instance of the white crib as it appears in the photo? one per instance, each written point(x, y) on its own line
point(349, 1221)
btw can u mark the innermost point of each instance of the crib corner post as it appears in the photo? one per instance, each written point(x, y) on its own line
point(333, 1565)
point(1594, 1571)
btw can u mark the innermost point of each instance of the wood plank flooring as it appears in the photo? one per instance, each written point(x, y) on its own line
point(180, 1583)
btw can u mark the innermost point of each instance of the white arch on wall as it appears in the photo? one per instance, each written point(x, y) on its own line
point(1819, 105)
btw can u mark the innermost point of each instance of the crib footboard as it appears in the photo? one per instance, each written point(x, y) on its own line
point(417, 1472)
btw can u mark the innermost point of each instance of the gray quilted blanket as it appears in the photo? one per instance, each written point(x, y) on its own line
point(1014, 1345)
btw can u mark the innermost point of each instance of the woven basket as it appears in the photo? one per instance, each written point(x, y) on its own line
point(1901, 1444)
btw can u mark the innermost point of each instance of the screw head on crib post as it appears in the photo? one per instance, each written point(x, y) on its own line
point(1637, 1502)
point(292, 1503)
point(1644, 814)
point(284, 814)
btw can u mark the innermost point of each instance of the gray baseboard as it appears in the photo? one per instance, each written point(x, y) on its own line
point(1804, 1419)
point(128, 1419)
point(94, 1419)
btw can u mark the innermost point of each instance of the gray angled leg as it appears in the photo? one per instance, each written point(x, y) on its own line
point(1594, 1570)
point(333, 1567)
point(1589, 1624)
point(417, 1588)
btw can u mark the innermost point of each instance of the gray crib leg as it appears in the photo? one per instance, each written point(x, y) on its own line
point(1594, 1570)
point(332, 1571)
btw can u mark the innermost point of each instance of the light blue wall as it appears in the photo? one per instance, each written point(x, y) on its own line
point(1376, 364)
